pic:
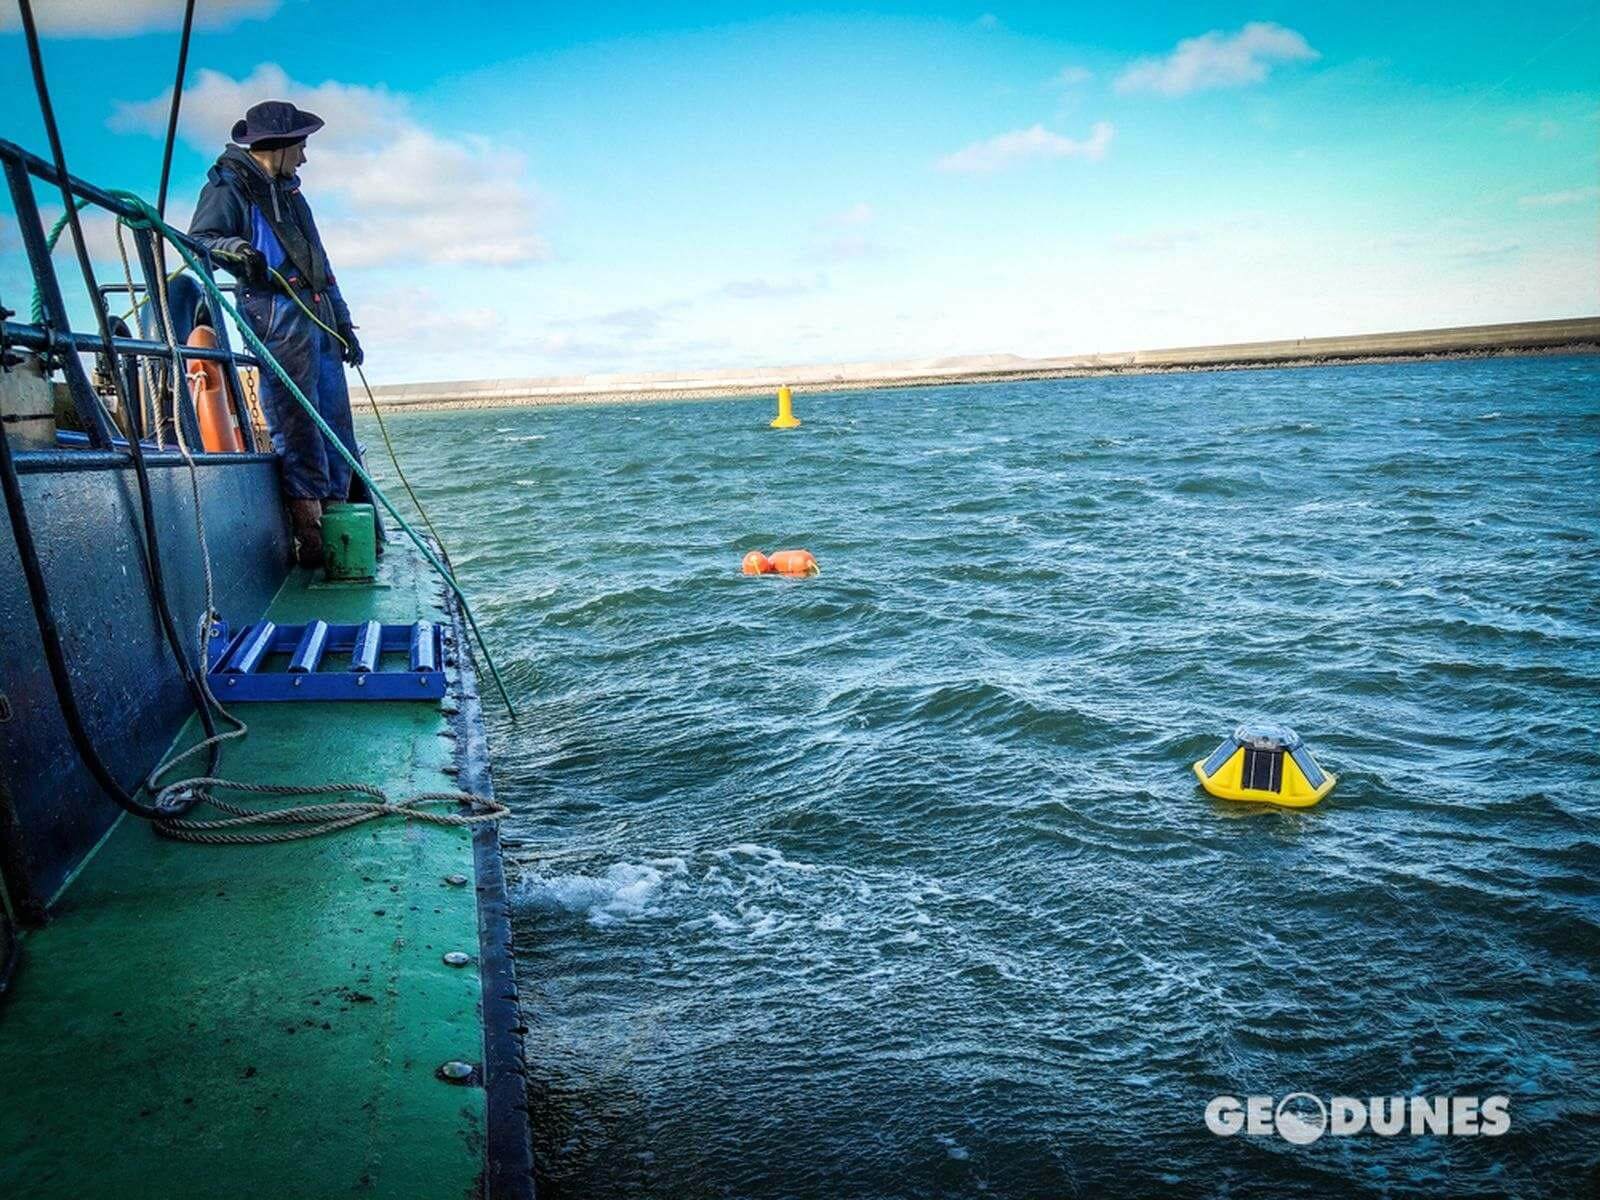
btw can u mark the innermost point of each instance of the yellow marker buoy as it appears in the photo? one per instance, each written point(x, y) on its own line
point(785, 418)
point(1265, 763)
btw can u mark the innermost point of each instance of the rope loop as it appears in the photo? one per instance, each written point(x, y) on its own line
point(310, 820)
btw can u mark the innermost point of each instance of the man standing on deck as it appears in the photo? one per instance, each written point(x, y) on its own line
point(253, 219)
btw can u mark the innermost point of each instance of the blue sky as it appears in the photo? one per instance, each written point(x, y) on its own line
point(520, 191)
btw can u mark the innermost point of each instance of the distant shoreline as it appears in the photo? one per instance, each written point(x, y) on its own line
point(1579, 335)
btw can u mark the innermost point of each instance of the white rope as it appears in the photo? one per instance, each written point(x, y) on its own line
point(148, 404)
point(209, 616)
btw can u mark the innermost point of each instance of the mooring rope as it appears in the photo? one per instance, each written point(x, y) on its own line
point(308, 820)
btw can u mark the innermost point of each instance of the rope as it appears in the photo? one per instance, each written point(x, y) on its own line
point(208, 615)
point(152, 221)
point(147, 386)
point(36, 309)
point(309, 820)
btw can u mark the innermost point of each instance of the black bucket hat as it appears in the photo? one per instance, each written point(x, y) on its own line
point(274, 123)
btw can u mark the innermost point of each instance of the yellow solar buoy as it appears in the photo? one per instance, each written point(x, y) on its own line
point(785, 418)
point(1268, 764)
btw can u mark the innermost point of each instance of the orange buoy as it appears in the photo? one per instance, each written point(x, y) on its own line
point(757, 563)
point(794, 562)
point(219, 426)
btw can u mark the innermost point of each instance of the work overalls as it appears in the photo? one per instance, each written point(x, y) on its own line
point(312, 469)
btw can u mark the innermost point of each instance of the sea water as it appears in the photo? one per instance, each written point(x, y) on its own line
point(897, 882)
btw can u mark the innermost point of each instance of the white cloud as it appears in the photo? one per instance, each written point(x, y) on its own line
point(847, 247)
point(1559, 199)
point(399, 193)
point(1156, 241)
point(1008, 149)
point(410, 319)
point(1543, 128)
point(854, 217)
point(846, 234)
point(1072, 76)
point(762, 289)
point(100, 19)
point(1218, 60)
point(1476, 249)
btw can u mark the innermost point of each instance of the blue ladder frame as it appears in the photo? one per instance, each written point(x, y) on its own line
point(240, 666)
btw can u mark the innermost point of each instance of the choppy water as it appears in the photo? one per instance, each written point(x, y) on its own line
point(896, 882)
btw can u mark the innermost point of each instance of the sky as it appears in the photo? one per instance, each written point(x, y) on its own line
point(512, 190)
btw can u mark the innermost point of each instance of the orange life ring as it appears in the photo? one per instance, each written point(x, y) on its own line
point(219, 426)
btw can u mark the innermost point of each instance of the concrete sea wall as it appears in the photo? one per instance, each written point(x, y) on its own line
point(1577, 334)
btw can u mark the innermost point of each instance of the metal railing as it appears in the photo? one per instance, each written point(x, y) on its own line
point(60, 345)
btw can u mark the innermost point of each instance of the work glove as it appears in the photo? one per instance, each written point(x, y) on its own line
point(250, 266)
point(352, 346)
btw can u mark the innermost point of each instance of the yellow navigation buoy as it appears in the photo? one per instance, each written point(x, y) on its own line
point(1268, 764)
point(785, 418)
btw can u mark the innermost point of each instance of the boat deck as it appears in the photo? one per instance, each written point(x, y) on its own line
point(194, 1016)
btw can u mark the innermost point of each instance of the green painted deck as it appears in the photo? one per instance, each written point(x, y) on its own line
point(205, 1021)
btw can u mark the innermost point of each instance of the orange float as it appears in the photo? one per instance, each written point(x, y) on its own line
point(219, 427)
point(794, 562)
point(757, 563)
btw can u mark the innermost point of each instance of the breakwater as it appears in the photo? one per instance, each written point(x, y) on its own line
point(1572, 335)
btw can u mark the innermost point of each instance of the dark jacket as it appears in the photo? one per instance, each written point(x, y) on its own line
point(241, 206)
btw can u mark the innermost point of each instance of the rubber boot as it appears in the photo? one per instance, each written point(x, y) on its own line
point(306, 516)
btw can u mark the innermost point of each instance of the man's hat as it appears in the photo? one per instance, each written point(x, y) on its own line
point(274, 123)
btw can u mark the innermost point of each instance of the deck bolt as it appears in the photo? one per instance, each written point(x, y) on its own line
point(457, 958)
point(456, 880)
point(456, 1071)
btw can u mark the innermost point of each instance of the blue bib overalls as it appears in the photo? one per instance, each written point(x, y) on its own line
point(312, 469)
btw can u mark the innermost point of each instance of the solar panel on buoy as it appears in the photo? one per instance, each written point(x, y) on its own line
point(1266, 764)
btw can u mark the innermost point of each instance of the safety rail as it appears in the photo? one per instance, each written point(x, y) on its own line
point(59, 345)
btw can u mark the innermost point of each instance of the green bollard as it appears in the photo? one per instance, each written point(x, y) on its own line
point(349, 543)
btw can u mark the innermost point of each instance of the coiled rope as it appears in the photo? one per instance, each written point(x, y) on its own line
point(308, 820)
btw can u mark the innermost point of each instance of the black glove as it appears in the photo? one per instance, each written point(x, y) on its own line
point(249, 265)
point(352, 346)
